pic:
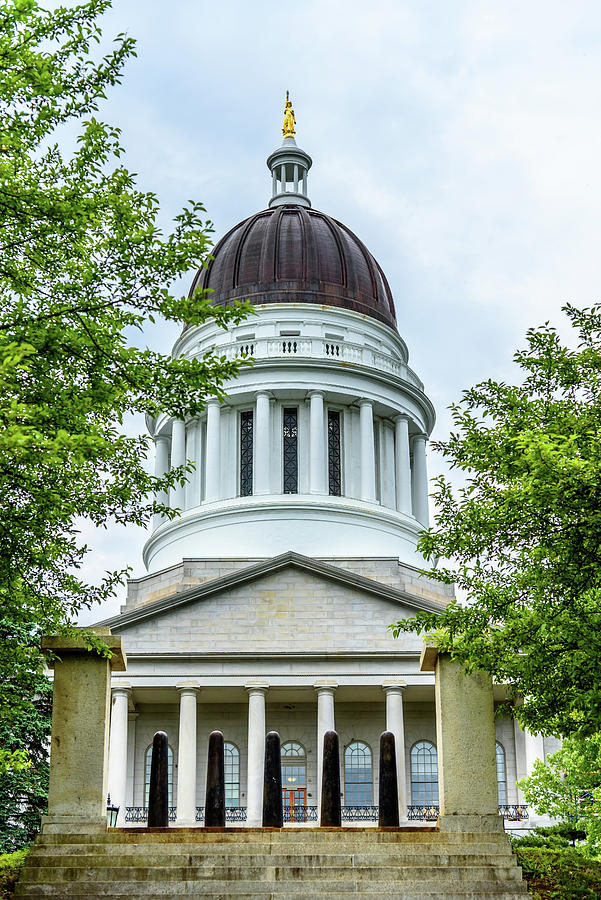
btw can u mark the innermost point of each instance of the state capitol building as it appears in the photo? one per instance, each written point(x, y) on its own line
point(268, 599)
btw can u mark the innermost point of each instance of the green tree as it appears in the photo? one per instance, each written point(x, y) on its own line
point(522, 537)
point(83, 263)
point(568, 786)
point(24, 789)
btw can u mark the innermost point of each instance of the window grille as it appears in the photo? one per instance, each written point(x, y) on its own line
point(358, 781)
point(290, 449)
point(424, 774)
point(334, 468)
point(246, 453)
point(147, 764)
point(232, 774)
point(501, 775)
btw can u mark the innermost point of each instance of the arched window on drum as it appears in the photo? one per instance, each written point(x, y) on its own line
point(231, 760)
point(147, 765)
point(501, 774)
point(358, 778)
point(424, 774)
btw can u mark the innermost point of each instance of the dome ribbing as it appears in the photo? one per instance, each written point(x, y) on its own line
point(292, 254)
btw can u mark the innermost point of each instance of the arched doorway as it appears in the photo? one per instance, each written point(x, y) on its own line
point(294, 782)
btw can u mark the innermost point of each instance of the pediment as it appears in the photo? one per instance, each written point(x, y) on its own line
point(288, 603)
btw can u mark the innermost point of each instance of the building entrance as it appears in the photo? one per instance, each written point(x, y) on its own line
point(294, 782)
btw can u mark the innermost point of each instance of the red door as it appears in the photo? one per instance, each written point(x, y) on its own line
point(294, 801)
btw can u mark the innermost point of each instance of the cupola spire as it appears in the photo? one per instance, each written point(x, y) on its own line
point(289, 166)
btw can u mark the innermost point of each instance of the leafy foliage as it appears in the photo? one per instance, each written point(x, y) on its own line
point(83, 263)
point(523, 535)
point(560, 874)
point(10, 867)
point(568, 786)
point(23, 790)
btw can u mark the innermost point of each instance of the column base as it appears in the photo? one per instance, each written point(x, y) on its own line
point(489, 823)
point(74, 825)
point(186, 823)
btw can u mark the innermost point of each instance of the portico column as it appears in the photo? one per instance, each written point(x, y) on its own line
point(117, 778)
point(325, 722)
point(419, 481)
point(262, 443)
point(534, 750)
point(186, 753)
point(402, 464)
point(256, 752)
point(395, 722)
point(317, 445)
point(178, 458)
point(368, 461)
point(161, 467)
point(213, 451)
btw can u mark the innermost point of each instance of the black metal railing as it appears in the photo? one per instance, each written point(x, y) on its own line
point(140, 814)
point(422, 813)
point(232, 814)
point(359, 813)
point(300, 814)
point(513, 812)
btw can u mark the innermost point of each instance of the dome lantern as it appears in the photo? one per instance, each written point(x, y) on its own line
point(289, 166)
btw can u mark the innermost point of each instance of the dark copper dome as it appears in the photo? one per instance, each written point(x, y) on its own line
point(292, 254)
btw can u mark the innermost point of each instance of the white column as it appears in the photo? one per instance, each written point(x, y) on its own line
point(256, 752)
point(402, 464)
point(387, 467)
point(296, 178)
point(178, 458)
point(317, 443)
point(325, 722)
point(213, 452)
point(368, 461)
point(161, 467)
point(534, 750)
point(274, 182)
point(186, 754)
point(262, 443)
point(117, 775)
point(395, 723)
point(419, 481)
point(193, 455)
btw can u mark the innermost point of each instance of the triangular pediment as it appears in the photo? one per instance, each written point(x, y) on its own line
point(289, 602)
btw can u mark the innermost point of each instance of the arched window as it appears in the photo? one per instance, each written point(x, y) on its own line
point(294, 765)
point(358, 781)
point(424, 774)
point(147, 764)
point(232, 774)
point(501, 774)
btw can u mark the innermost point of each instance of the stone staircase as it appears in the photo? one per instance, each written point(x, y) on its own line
point(263, 864)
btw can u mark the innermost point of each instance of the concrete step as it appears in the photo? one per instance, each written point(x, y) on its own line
point(241, 872)
point(406, 857)
point(274, 891)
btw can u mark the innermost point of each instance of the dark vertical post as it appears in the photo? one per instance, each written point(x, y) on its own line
point(158, 792)
point(388, 816)
point(330, 782)
point(272, 783)
point(215, 794)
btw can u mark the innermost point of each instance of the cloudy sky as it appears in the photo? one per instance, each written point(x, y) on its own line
point(461, 141)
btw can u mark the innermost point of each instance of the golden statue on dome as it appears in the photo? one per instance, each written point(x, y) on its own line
point(289, 119)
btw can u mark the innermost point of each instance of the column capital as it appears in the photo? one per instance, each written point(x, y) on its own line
point(394, 687)
point(212, 401)
point(325, 686)
point(315, 393)
point(365, 402)
point(161, 438)
point(254, 687)
point(420, 436)
point(123, 688)
point(188, 687)
point(264, 393)
point(401, 417)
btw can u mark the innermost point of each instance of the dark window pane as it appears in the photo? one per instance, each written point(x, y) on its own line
point(246, 453)
point(334, 479)
point(290, 451)
point(357, 775)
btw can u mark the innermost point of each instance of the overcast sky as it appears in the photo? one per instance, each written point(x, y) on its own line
point(461, 141)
